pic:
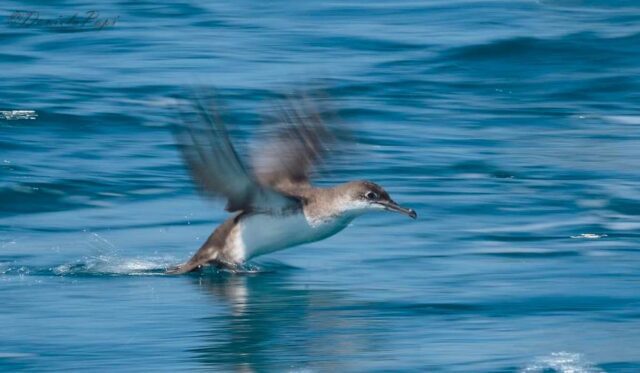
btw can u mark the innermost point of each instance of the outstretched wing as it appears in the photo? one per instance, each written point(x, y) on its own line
point(217, 168)
point(300, 143)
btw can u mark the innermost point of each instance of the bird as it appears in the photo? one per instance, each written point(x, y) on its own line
point(273, 203)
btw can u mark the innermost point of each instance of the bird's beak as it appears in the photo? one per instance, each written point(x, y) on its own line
point(392, 206)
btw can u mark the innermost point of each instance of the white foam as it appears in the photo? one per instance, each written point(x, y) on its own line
point(624, 119)
point(590, 236)
point(562, 362)
point(18, 114)
point(15, 355)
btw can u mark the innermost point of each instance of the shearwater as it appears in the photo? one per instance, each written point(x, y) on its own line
point(275, 204)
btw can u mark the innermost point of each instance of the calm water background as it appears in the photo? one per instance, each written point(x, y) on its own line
point(511, 126)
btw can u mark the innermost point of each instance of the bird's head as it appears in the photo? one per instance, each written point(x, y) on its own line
point(365, 196)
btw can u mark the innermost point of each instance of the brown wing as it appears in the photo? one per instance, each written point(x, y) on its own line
point(217, 168)
point(299, 143)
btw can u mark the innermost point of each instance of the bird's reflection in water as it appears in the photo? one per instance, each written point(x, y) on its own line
point(276, 322)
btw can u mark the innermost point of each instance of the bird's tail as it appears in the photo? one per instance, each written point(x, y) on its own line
point(208, 253)
point(183, 268)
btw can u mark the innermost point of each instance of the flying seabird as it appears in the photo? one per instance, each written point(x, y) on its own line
point(275, 205)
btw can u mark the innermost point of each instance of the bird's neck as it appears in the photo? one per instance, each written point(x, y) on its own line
point(329, 205)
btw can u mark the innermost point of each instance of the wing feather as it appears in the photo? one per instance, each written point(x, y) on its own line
point(296, 147)
point(216, 166)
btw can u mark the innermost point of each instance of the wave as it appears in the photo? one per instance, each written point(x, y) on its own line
point(573, 46)
point(561, 362)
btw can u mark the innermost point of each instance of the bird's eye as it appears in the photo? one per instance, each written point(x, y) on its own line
point(371, 196)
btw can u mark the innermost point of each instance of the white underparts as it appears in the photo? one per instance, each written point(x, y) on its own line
point(261, 234)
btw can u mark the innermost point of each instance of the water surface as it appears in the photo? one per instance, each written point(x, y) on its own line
point(512, 127)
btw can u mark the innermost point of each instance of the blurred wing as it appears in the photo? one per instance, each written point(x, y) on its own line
point(302, 141)
point(217, 168)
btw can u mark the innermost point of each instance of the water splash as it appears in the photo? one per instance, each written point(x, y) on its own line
point(141, 266)
point(244, 269)
point(108, 260)
point(115, 265)
point(562, 362)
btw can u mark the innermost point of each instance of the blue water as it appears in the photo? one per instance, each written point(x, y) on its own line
point(512, 127)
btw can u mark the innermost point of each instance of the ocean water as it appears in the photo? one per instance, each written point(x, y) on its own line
point(512, 127)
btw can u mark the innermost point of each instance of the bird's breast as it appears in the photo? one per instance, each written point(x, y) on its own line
point(263, 233)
